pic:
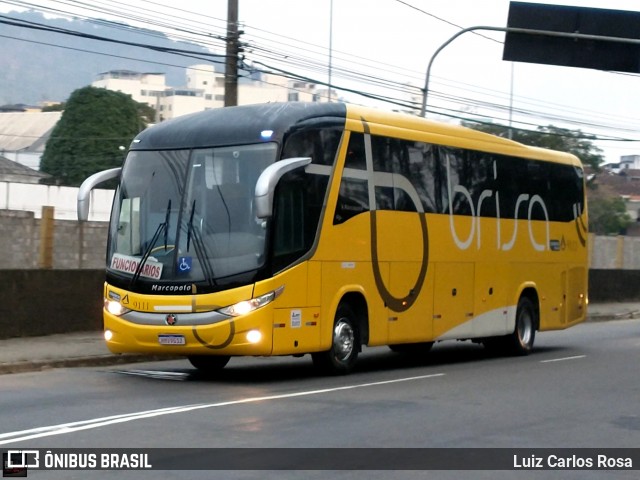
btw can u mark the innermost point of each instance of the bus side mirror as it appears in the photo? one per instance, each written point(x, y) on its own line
point(269, 178)
point(89, 184)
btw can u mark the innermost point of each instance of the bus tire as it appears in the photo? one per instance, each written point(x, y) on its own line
point(209, 363)
point(520, 342)
point(345, 344)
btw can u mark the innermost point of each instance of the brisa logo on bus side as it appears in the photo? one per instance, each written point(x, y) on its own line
point(522, 199)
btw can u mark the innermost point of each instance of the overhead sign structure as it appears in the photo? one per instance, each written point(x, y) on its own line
point(573, 52)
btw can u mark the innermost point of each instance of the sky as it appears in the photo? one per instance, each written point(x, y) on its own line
point(384, 47)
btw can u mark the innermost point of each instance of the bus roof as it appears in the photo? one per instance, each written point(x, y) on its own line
point(219, 127)
point(455, 135)
point(237, 125)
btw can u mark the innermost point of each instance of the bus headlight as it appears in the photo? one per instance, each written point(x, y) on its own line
point(115, 308)
point(248, 306)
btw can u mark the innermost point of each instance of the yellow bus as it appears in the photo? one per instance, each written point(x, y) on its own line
point(292, 229)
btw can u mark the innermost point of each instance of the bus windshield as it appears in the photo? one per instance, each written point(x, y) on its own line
point(186, 216)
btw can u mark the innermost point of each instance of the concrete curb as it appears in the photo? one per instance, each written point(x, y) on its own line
point(603, 317)
point(89, 361)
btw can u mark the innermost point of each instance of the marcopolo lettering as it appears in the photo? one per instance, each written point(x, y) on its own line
point(170, 288)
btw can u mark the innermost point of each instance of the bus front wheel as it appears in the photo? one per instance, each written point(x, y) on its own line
point(345, 344)
point(209, 363)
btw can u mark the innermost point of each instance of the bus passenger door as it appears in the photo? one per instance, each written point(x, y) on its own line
point(453, 300)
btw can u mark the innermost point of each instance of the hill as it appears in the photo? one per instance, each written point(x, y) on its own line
point(38, 65)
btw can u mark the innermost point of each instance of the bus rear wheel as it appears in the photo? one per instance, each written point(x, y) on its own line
point(520, 342)
point(345, 344)
point(209, 363)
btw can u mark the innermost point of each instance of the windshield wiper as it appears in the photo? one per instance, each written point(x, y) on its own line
point(166, 224)
point(190, 226)
point(198, 244)
point(162, 227)
point(201, 252)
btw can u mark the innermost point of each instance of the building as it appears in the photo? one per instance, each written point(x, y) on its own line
point(24, 135)
point(630, 162)
point(627, 162)
point(204, 89)
point(11, 171)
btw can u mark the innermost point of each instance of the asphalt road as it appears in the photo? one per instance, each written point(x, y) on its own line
point(579, 389)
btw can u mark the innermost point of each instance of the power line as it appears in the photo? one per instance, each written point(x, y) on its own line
point(407, 4)
point(263, 54)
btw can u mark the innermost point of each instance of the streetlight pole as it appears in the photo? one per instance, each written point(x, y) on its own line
point(547, 33)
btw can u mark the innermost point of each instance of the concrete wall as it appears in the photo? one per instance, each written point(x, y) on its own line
point(614, 286)
point(79, 245)
point(75, 244)
point(619, 252)
point(42, 302)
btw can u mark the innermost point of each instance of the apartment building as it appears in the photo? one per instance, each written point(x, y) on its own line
point(204, 89)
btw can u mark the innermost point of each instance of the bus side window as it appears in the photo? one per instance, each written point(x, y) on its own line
point(353, 197)
point(415, 163)
point(128, 231)
point(298, 204)
point(289, 217)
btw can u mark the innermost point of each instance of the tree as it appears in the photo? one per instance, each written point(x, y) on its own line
point(554, 138)
point(608, 216)
point(94, 125)
point(146, 113)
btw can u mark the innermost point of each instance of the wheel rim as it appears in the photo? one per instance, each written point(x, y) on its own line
point(525, 327)
point(343, 340)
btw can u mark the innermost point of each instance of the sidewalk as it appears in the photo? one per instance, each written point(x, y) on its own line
point(78, 349)
point(88, 348)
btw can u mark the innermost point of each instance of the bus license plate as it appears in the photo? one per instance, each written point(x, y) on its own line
point(171, 340)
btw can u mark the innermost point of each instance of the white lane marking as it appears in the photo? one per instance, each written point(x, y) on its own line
point(575, 357)
point(23, 435)
point(180, 376)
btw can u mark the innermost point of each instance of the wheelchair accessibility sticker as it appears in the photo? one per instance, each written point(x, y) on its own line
point(184, 264)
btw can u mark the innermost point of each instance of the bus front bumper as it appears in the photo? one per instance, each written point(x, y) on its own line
point(249, 334)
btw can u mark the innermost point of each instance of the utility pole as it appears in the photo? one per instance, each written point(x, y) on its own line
point(330, 45)
point(231, 64)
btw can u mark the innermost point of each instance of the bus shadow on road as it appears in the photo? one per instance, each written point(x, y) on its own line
point(263, 370)
point(377, 359)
